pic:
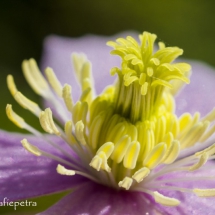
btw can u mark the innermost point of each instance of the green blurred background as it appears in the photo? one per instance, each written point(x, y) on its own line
point(188, 24)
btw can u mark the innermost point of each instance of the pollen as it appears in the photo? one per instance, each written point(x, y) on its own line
point(129, 135)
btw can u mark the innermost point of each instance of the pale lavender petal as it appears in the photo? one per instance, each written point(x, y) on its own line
point(94, 199)
point(57, 54)
point(23, 175)
point(190, 203)
point(199, 95)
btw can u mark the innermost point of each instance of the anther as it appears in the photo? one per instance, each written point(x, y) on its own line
point(150, 71)
point(96, 162)
point(120, 149)
point(172, 153)
point(131, 155)
point(204, 192)
point(32, 149)
point(47, 122)
point(126, 183)
point(107, 148)
point(63, 171)
point(141, 174)
point(67, 97)
point(34, 77)
point(202, 160)
point(12, 116)
point(27, 103)
point(155, 156)
point(54, 82)
point(79, 132)
point(144, 88)
point(210, 151)
point(20, 98)
point(68, 132)
point(11, 85)
point(166, 201)
point(104, 165)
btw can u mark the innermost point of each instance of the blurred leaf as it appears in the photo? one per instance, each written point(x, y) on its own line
point(43, 203)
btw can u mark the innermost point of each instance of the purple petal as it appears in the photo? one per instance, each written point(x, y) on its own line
point(23, 175)
point(190, 203)
point(57, 54)
point(94, 199)
point(199, 95)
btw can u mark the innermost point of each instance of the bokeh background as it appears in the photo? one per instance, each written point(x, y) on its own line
point(189, 24)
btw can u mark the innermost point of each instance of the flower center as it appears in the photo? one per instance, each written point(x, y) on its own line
point(123, 134)
point(136, 115)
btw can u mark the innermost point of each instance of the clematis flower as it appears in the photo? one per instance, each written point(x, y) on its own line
point(128, 146)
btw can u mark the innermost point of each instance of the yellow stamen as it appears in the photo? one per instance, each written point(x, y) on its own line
point(54, 82)
point(79, 112)
point(210, 117)
point(11, 85)
point(79, 132)
point(32, 149)
point(34, 77)
point(166, 201)
point(12, 116)
point(121, 148)
point(141, 174)
point(156, 155)
point(161, 45)
point(104, 165)
point(63, 171)
point(204, 192)
point(172, 153)
point(20, 98)
point(126, 183)
point(96, 163)
point(202, 160)
point(78, 61)
point(27, 103)
point(67, 97)
point(130, 128)
point(210, 151)
point(85, 95)
point(83, 70)
point(131, 155)
point(107, 148)
point(207, 134)
point(68, 132)
point(47, 122)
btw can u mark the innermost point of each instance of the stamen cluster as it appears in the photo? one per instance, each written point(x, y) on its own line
point(128, 136)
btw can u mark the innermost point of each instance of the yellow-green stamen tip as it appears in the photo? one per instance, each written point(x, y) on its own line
point(144, 74)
